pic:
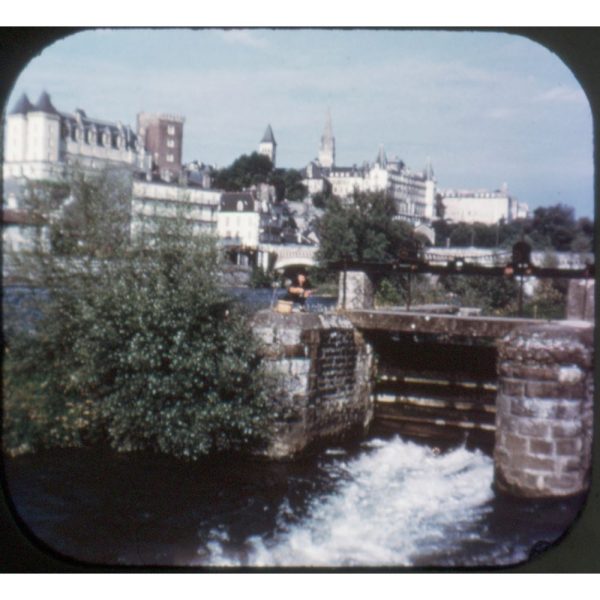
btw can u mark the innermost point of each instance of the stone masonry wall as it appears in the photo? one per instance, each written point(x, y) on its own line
point(356, 291)
point(324, 367)
point(544, 417)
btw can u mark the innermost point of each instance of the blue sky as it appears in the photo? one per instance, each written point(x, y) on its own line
point(486, 107)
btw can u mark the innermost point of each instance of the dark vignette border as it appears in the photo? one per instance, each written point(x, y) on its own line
point(577, 552)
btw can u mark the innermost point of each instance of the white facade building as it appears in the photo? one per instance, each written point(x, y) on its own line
point(239, 219)
point(153, 201)
point(482, 206)
point(412, 191)
point(41, 142)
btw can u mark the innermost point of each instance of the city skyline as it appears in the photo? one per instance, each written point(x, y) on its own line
point(487, 108)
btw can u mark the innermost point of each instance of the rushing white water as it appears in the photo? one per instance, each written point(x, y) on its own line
point(396, 501)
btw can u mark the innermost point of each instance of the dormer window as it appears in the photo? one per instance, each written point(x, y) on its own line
point(240, 206)
point(106, 139)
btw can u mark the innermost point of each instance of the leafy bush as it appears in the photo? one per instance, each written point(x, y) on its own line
point(142, 350)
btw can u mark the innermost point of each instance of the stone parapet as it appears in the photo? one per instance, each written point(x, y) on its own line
point(324, 369)
point(356, 291)
point(544, 410)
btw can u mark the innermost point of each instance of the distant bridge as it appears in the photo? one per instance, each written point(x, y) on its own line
point(436, 258)
point(290, 255)
point(501, 256)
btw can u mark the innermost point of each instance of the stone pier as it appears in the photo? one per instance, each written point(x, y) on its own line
point(544, 410)
point(356, 291)
point(324, 368)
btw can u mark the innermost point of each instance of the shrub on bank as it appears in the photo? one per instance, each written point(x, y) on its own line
point(141, 350)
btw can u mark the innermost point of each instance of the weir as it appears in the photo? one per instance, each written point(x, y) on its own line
point(522, 387)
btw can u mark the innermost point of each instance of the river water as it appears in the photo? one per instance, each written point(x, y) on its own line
point(382, 502)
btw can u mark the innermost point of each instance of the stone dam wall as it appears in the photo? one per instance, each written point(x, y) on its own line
point(324, 368)
point(531, 387)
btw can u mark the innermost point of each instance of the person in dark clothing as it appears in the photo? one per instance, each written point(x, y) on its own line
point(299, 291)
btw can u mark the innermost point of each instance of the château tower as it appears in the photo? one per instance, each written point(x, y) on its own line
point(268, 145)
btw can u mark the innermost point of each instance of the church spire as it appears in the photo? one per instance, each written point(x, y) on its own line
point(381, 159)
point(327, 149)
point(268, 145)
point(429, 169)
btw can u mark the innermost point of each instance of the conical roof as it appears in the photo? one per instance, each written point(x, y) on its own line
point(44, 104)
point(23, 106)
point(381, 159)
point(268, 137)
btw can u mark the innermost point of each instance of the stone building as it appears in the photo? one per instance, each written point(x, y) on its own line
point(162, 136)
point(268, 145)
point(154, 200)
point(41, 142)
point(412, 191)
point(239, 219)
point(482, 206)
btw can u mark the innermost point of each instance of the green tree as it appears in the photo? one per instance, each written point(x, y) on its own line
point(245, 171)
point(553, 227)
point(364, 229)
point(295, 190)
point(138, 348)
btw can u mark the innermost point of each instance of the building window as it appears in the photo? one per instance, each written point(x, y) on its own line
point(171, 129)
point(170, 143)
point(170, 158)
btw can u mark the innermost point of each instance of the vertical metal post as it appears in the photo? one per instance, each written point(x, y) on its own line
point(409, 298)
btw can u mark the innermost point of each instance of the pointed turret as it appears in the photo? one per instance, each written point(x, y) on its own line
point(268, 138)
point(381, 159)
point(268, 145)
point(22, 106)
point(44, 104)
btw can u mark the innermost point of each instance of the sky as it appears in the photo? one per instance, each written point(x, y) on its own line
point(487, 108)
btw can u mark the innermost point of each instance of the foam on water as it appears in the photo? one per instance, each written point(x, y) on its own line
point(396, 501)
